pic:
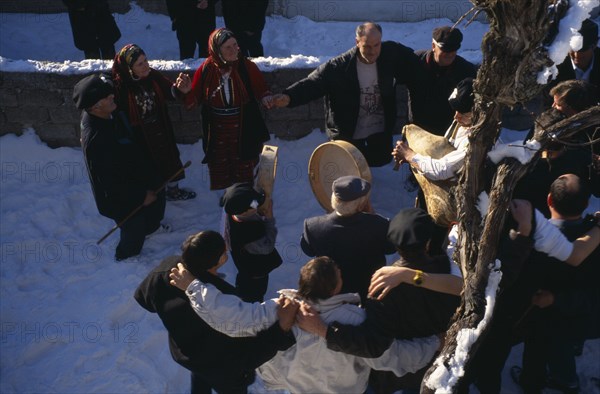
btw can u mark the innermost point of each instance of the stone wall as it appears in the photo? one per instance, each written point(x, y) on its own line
point(43, 102)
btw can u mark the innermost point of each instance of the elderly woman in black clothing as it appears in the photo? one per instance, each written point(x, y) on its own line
point(141, 92)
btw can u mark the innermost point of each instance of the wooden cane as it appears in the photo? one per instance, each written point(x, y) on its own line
point(137, 209)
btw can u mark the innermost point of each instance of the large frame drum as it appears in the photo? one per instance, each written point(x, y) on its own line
point(330, 161)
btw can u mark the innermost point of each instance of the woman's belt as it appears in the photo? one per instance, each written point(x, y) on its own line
point(225, 111)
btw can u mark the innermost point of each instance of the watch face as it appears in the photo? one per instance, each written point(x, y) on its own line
point(418, 278)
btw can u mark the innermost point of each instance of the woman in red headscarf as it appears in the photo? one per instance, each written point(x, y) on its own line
point(141, 92)
point(229, 87)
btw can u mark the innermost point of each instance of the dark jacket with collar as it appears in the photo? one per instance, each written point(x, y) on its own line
point(357, 243)
point(435, 114)
point(337, 81)
point(406, 312)
point(566, 72)
point(120, 174)
point(224, 362)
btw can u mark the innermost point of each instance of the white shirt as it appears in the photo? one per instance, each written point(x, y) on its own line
point(581, 75)
point(445, 167)
point(370, 114)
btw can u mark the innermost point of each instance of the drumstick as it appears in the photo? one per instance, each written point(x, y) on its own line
point(398, 164)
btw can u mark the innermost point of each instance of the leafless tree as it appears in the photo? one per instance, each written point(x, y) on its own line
point(514, 51)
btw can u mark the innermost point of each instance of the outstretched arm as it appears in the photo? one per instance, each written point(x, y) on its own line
point(386, 278)
point(224, 312)
point(550, 240)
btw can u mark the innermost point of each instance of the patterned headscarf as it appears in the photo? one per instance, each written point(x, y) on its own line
point(216, 39)
point(124, 61)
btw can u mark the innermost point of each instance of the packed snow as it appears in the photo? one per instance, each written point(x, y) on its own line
point(69, 323)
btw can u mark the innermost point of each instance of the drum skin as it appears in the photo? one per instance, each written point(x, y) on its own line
point(440, 203)
point(330, 161)
point(266, 170)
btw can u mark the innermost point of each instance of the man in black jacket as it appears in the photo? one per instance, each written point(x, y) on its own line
point(584, 63)
point(566, 305)
point(122, 178)
point(352, 235)
point(359, 87)
point(444, 70)
point(217, 362)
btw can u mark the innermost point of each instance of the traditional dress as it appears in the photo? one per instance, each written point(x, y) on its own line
point(232, 125)
point(144, 101)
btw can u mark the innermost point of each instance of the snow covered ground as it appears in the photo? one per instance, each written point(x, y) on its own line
point(69, 323)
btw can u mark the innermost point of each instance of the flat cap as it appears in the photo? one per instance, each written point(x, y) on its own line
point(350, 188)
point(447, 38)
point(411, 228)
point(589, 32)
point(462, 98)
point(92, 89)
point(240, 197)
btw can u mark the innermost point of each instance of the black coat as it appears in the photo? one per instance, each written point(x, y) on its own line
point(245, 15)
point(357, 243)
point(535, 185)
point(120, 174)
point(566, 72)
point(224, 362)
point(406, 312)
point(435, 114)
point(337, 81)
point(92, 23)
point(187, 17)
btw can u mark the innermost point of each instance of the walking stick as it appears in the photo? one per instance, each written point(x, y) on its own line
point(136, 210)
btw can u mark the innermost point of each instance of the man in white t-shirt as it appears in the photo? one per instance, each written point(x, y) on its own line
point(359, 87)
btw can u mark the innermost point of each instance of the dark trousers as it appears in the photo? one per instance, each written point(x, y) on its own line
point(377, 149)
point(251, 288)
point(101, 51)
point(134, 230)
point(201, 386)
point(250, 45)
point(189, 39)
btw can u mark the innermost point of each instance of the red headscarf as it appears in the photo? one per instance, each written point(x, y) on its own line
point(215, 65)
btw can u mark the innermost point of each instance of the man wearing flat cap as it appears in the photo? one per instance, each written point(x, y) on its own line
point(444, 70)
point(583, 63)
point(122, 178)
point(353, 236)
point(250, 233)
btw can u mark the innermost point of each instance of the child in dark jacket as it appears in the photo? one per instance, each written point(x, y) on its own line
point(250, 232)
